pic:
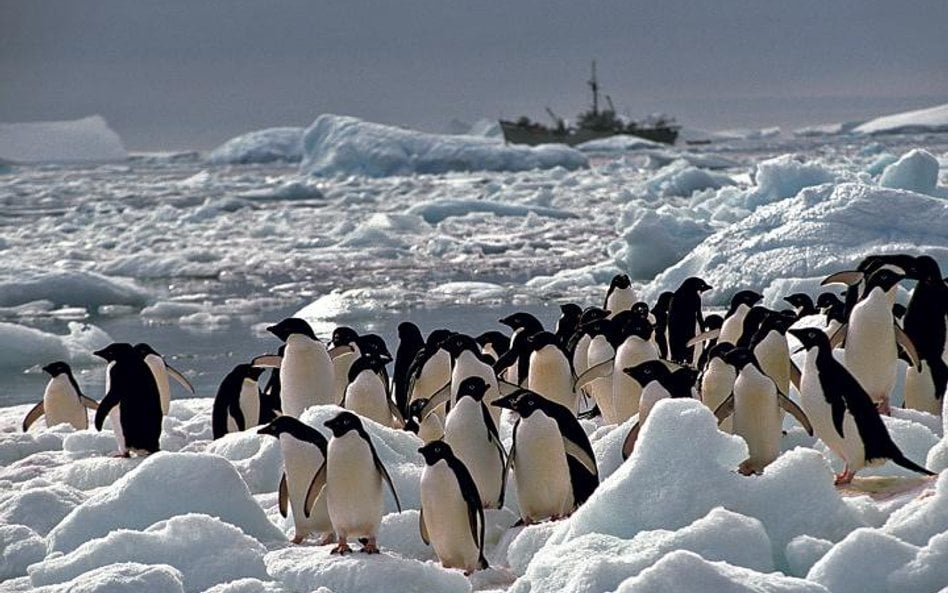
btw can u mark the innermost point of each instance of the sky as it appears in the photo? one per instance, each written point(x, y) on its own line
point(179, 74)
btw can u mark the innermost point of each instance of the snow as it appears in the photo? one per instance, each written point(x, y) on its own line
point(121, 577)
point(336, 145)
point(20, 546)
point(618, 143)
point(784, 177)
point(436, 211)
point(920, 121)
point(916, 171)
point(86, 139)
point(261, 146)
point(69, 287)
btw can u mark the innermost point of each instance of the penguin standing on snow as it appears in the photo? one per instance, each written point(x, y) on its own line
point(452, 518)
point(552, 460)
point(237, 403)
point(367, 392)
point(685, 319)
point(343, 352)
point(549, 372)
point(62, 401)
point(717, 380)
point(304, 476)
point(132, 392)
point(306, 372)
point(658, 382)
point(410, 342)
point(620, 296)
point(354, 476)
point(660, 314)
point(841, 412)
point(162, 371)
point(925, 322)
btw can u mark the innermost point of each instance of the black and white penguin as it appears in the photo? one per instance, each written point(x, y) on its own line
point(162, 371)
point(577, 347)
point(62, 401)
point(306, 372)
point(270, 404)
point(802, 304)
point(423, 422)
point(549, 372)
point(367, 392)
point(717, 380)
point(304, 477)
point(660, 315)
point(733, 325)
point(601, 352)
point(841, 412)
point(772, 352)
point(343, 351)
point(552, 460)
point(620, 296)
point(658, 382)
point(493, 344)
point(452, 517)
point(471, 431)
point(926, 324)
point(571, 315)
point(523, 325)
point(410, 342)
point(834, 310)
point(636, 347)
point(237, 403)
point(756, 405)
point(685, 319)
point(468, 361)
point(132, 392)
point(354, 489)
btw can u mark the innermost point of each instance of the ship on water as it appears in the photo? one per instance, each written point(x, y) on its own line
point(593, 124)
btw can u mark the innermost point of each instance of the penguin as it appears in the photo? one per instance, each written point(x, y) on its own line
point(304, 477)
point(733, 325)
point(577, 348)
point(802, 304)
point(772, 352)
point(162, 371)
point(834, 310)
point(658, 382)
point(354, 476)
point(131, 390)
point(62, 401)
point(712, 324)
point(552, 460)
point(343, 351)
point(856, 279)
point(237, 403)
point(452, 517)
point(717, 380)
point(620, 296)
point(431, 369)
point(871, 352)
point(636, 348)
point(660, 315)
point(467, 361)
point(367, 392)
point(752, 322)
point(410, 342)
point(756, 405)
point(471, 432)
point(549, 372)
point(423, 422)
point(523, 326)
point(604, 340)
point(924, 322)
point(494, 344)
point(306, 372)
point(841, 412)
point(270, 405)
point(570, 316)
point(685, 319)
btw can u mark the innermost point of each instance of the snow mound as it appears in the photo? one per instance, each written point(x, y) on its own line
point(819, 231)
point(916, 171)
point(686, 571)
point(305, 569)
point(69, 288)
point(257, 458)
point(435, 211)
point(15, 446)
point(206, 550)
point(40, 508)
point(920, 121)
point(121, 577)
point(261, 146)
point(596, 563)
point(654, 239)
point(20, 546)
point(336, 145)
point(254, 586)
point(618, 143)
point(784, 176)
point(681, 457)
point(86, 139)
point(163, 486)
point(681, 178)
point(24, 347)
point(923, 518)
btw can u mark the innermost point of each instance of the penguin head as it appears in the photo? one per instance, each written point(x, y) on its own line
point(344, 336)
point(458, 343)
point(523, 321)
point(591, 314)
point(472, 387)
point(436, 451)
point(925, 269)
point(636, 326)
point(799, 300)
point(713, 321)
point(414, 420)
point(289, 425)
point(409, 331)
point(740, 358)
point(290, 326)
point(436, 337)
point(720, 350)
point(571, 311)
point(279, 425)
point(54, 369)
point(541, 340)
point(374, 344)
point(680, 382)
point(884, 278)
point(694, 285)
point(343, 423)
point(648, 371)
point(640, 309)
point(366, 362)
point(498, 341)
point(522, 401)
point(748, 298)
point(827, 300)
point(248, 371)
point(620, 281)
point(811, 337)
point(145, 349)
point(117, 351)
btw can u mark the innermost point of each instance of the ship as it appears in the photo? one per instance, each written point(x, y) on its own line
point(593, 124)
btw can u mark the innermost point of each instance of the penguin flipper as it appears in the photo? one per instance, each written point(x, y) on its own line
point(396, 413)
point(284, 496)
point(907, 463)
point(513, 449)
point(340, 351)
point(711, 334)
point(506, 360)
point(628, 445)
point(439, 398)
point(795, 375)
point(316, 487)
point(907, 346)
point(838, 409)
point(494, 438)
point(847, 277)
point(422, 528)
point(796, 411)
point(268, 361)
point(179, 377)
point(384, 473)
point(839, 336)
point(601, 370)
point(108, 402)
point(578, 452)
point(88, 402)
point(33, 415)
point(723, 411)
point(238, 415)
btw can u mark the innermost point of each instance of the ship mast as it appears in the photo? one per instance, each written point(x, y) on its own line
point(594, 85)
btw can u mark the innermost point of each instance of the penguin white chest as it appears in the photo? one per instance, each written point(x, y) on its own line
point(773, 354)
point(870, 350)
point(354, 487)
point(469, 438)
point(61, 404)
point(249, 399)
point(366, 396)
point(542, 473)
point(306, 375)
point(600, 350)
point(551, 377)
point(757, 417)
point(301, 460)
point(626, 391)
point(733, 326)
point(816, 407)
point(435, 374)
point(446, 517)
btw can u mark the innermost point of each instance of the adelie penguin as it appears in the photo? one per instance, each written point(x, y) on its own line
point(452, 517)
point(131, 392)
point(925, 322)
point(685, 319)
point(552, 460)
point(841, 412)
point(367, 392)
point(620, 296)
point(62, 401)
point(302, 485)
point(306, 372)
point(237, 403)
point(658, 382)
point(354, 484)
point(162, 372)
point(410, 342)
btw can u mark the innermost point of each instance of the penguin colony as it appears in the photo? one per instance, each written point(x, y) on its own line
point(609, 363)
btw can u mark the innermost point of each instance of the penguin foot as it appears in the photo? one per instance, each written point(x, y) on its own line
point(884, 408)
point(746, 469)
point(122, 454)
point(297, 539)
point(846, 477)
point(369, 547)
point(342, 549)
point(326, 539)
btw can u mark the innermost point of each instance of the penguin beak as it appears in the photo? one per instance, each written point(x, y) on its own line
point(505, 402)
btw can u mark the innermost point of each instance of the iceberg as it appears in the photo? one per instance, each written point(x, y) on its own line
point(919, 121)
point(261, 146)
point(86, 139)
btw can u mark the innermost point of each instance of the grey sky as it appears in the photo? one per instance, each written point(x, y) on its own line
point(192, 73)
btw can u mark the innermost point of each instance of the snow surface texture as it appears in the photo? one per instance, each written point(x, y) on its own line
point(261, 146)
point(336, 145)
point(86, 139)
point(933, 119)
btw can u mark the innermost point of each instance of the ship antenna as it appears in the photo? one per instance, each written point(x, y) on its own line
point(594, 85)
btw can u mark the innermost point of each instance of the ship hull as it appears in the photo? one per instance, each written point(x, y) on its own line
point(533, 135)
